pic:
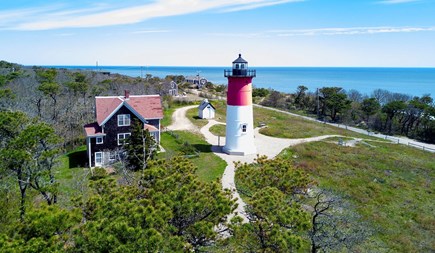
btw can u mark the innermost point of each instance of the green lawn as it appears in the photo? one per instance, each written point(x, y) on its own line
point(391, 186)
point(71, 175)
point(192, 115)
point(218, 130)
point(278, 124)
point(287, 126)
point(210, 167)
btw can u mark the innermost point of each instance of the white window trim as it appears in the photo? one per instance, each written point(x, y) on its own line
point(102, 158)
point(123, 118)
point(99, 142)
point(125, 137)
point(114, 154)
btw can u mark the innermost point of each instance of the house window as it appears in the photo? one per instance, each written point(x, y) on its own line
point(124, 120)
point(244, 128)
point(98, 159)
point(122, 137)
point(99, 140)
point(112, 156)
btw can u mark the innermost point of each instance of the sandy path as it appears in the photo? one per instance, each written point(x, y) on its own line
point(180, 121)
point(266, 145)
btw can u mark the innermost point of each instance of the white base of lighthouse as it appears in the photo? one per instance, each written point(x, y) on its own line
point(239, 131)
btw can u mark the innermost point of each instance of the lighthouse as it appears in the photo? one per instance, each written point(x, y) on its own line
point(240, 122)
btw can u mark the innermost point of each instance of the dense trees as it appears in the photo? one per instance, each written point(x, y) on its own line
point(169, 211)
point(333, 101)
point(28, 150)
point(384, 111)
point(273, 189)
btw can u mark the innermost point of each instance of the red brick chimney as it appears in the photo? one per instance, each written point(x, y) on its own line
point(126, 94)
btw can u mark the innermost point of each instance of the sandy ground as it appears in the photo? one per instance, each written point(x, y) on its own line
point(180, 121)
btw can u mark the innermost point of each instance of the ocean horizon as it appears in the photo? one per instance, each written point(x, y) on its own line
point(410, 81)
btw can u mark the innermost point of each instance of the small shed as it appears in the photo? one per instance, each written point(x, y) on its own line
point(206, 110)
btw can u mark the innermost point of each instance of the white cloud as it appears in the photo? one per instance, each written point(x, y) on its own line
point(327, 32)
point(107, 15)
point(397, 1)
point(259, 4)
point(349, 31)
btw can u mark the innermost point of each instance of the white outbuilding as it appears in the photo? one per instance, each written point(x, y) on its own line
point(206, 110)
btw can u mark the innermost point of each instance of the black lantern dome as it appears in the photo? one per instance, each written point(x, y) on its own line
point(240, 68)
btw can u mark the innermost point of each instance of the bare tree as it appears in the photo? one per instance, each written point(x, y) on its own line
point(335, 226)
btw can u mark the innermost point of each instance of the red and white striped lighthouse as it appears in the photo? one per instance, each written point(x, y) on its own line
point(240, 123)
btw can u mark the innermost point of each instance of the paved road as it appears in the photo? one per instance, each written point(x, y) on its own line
point(401, 140)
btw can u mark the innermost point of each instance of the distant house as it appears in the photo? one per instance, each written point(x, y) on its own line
point(171, 88)
point(115, 115)
point(197, 81)
point(206, 110)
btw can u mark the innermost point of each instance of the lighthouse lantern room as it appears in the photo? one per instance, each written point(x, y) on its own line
point(240, 123)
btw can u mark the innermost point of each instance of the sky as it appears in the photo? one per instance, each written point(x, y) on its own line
point(313, 33)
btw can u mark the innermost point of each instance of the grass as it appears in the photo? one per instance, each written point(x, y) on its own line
point(391, 186)
point(192, 115)
point(283, 125)
point(210, 167)
point(279, 124)
point(71, 175)
point(220, 114)
point(218, 130)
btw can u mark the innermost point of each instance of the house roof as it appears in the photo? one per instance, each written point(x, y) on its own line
point(93, 129)
point(204, 104)
point(144, 106)
point(240, 60)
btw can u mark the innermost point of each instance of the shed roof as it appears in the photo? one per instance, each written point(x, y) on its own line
point(204, 104)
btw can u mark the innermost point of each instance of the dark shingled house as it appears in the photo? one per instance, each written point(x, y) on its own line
point(115, 115)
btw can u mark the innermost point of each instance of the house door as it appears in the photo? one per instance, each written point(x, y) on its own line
point(98, 159)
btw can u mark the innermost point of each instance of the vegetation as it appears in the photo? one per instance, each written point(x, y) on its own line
point(382, 111)
point(170, 211)
point(218, 130)
point(287, 213)
point(391, 191)
point(209, 166)
point(28, 149)
point(271, 189)
point(318, 197)
point(140, 147)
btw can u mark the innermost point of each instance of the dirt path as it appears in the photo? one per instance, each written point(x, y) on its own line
point(180, 121)
point(266, 145)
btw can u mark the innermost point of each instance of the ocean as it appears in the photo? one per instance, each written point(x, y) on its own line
point(411, 81)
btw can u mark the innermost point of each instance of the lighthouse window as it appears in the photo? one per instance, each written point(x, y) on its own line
point(242, 66)
point(244, 128)
point(237, 66)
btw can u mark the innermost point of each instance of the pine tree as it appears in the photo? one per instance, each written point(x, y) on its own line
point(140, 147)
